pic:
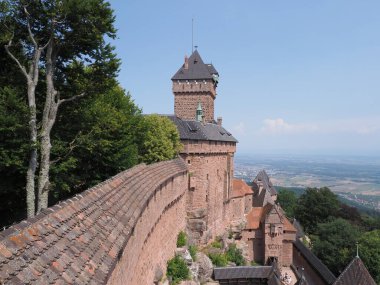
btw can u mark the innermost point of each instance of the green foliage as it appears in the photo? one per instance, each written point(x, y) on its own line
point(296, 190)
point(316, 206)
point(254, 263)
point(369, 252)
point(160, 139)
point(13, 155)
point(101, 143)
point(334, 243)
point(230, 234)
point(288, 201)
point(177, 270)
point(234, 254)
point(217, 244)
point(193, 249)
point(218, 259)
point(350, 214)
point(181, 239)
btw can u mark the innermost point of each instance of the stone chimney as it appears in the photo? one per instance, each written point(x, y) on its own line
point(186, 65)
point(219, 121)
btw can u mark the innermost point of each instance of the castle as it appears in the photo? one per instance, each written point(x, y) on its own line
point(124, 230)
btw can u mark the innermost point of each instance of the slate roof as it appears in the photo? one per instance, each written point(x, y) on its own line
point(355, 274)
point(263, 177)
point(79, 240)
point(193, 130)
point(297, 225)
point(302, 281)
point(315, 263)
point(240, 272)
point(197, 69)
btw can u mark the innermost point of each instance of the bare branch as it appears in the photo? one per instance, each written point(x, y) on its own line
point(23, 70)
point(60, 101)
point(72, 146)
point(45, 46)
point(29, 28)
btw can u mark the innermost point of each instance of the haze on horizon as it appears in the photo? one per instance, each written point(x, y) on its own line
point(295, 77)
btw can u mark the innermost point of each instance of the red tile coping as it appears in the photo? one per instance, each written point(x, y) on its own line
point(78, 240)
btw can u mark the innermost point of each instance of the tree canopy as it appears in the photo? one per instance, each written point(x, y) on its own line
point(288, 201)
point(334, 243)
point(159, 140)
point(369, 252)
point(94, 137)
point(315, 206)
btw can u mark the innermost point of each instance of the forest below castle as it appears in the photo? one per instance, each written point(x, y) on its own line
point(334, 228)
point(65, 123)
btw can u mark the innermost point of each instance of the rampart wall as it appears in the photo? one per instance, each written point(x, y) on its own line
point(118, 232)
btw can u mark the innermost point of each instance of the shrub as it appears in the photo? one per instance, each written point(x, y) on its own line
point(177, 269)
point(218, 259)
point(193, 251)
point(254, 263)
point(230, 234)
point(216, 244)
point(181, 240)
point(235, 255)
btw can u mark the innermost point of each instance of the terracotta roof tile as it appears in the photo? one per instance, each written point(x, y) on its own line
point(78, 240)
point(240, 188)
point(288, 226)
point(254, 218)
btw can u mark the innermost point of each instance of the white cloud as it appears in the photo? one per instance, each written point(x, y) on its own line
point(239, 129)
point(359, 126)
point(279, 126)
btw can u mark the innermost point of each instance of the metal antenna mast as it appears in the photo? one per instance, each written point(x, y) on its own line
point(192, 35)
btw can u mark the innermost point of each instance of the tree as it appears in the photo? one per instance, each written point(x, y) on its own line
point(334, 243)
point(316, 206)
point(102, 143)
point(369, 252)
point(52, 35)
point(288, 201)
point(13, 153)
point(30, 69)
point(159, 140)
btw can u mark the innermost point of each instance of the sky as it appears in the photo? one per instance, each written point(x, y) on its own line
point(296, 77)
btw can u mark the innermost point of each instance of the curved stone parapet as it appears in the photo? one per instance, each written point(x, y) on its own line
point(103, 235)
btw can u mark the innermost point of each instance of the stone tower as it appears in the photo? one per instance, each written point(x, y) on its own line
point(195, 84)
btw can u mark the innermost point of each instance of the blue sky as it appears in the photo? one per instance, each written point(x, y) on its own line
point(298, 77)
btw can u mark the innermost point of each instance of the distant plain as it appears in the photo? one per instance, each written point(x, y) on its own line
point(355, 175)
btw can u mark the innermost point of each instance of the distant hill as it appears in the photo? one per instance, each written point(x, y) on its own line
point(364, 209)
point(297, 190)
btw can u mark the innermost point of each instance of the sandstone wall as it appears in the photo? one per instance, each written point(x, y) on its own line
point(187, 95)
point(236, 209)
point(287, 253)
point(211, 171)
point(153, 242)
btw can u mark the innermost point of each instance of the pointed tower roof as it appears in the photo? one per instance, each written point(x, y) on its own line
point(355, 274)
point(195, 69)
